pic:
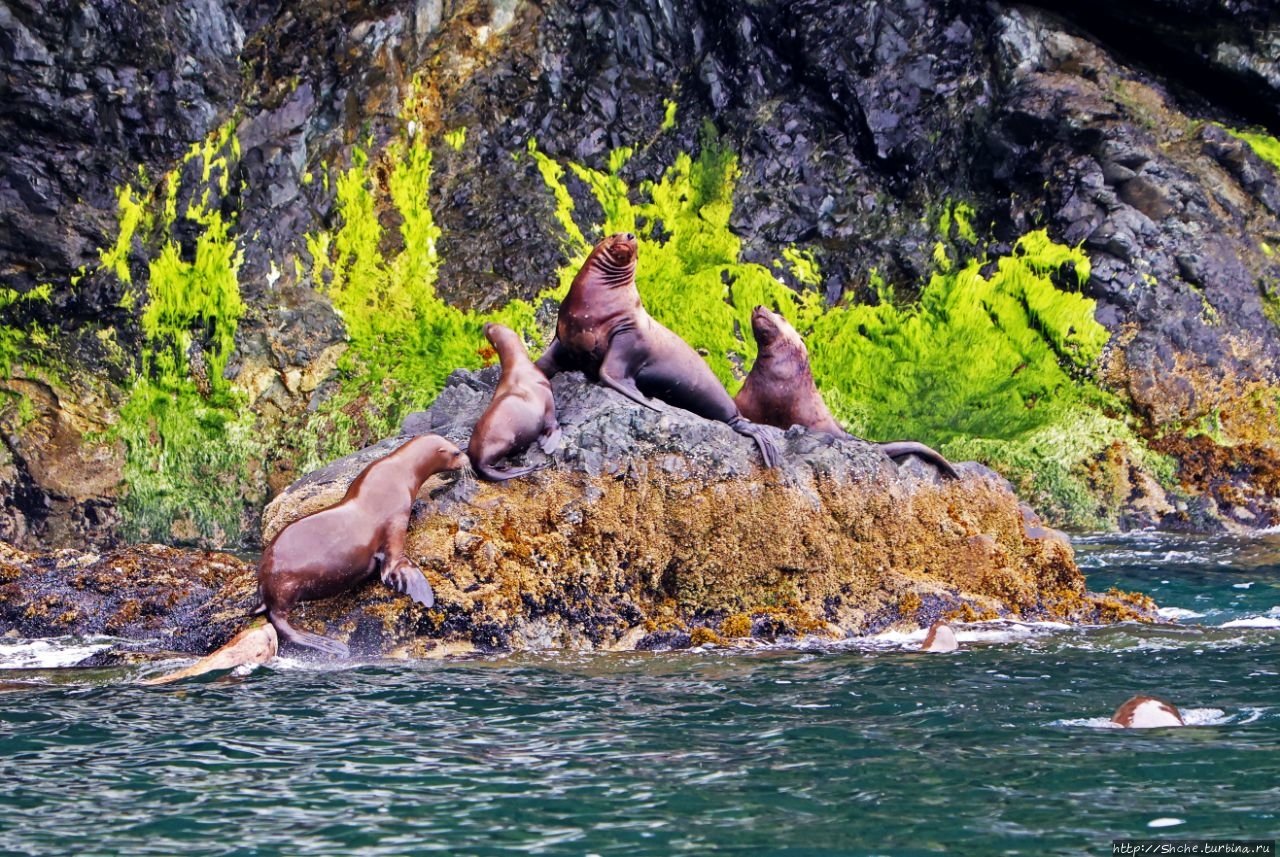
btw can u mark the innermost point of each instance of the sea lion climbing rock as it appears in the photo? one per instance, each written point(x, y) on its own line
point(523, 410)
point(604, 331)
point(333, 550)
point(780, 390)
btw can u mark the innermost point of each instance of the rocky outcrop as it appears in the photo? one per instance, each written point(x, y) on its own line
point(855, 126)
point(645, 530)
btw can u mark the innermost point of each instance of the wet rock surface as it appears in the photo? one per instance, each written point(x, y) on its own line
point(855, 124)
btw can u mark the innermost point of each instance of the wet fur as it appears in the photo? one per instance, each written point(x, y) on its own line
point(523, 410)
point(334, 550)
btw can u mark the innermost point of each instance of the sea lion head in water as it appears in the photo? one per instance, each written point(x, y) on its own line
point(523, 410)
point(1147, 712)
point(604, 331)
point(333, 550)
point(941, 638)
point(780, 390)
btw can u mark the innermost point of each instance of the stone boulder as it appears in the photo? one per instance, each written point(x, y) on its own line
point(652, 529)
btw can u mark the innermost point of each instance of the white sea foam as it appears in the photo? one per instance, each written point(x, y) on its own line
point(1178, 614)
point(49, 653)
point(1253, 622)
point(987, 631)
point(1190, 716)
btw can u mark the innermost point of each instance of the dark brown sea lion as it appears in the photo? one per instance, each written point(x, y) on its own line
point(604, 331)
point(780, 391)
point(1147, 712)
point(522, 411)
point(329, 552)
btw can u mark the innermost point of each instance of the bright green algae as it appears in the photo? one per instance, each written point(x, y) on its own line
point(189, 438)
point(992, 360)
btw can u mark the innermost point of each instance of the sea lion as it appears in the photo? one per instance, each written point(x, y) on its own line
point(329, 552)
point(940, 639)
point(1147, 712)
point(522, 411)
point(256, 644)
point(780, 391)
point(604, 331)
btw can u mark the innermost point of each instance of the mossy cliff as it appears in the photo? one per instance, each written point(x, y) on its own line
point(243, 239)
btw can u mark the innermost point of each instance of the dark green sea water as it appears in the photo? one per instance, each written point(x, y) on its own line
point(868, 748)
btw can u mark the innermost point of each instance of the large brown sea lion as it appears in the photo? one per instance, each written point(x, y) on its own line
point(1147, 712)
point(329, 552)
point(604, 331)
point(522, 411)
point(780, 391)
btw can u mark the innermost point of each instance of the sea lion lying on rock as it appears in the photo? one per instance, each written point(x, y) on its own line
point(331, 551)
point(604, 331)
point(523, 410)
point(780, 390)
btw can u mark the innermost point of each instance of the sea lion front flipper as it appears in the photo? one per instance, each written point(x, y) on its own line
point(553, 360)
point(291, 634)
point(405, 577)
point(761, 434)
point(902, 448)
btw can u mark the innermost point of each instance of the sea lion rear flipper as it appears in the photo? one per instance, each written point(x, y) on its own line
point(761, 434)
point(405, 577)
point(304, 638)
point(901, 448)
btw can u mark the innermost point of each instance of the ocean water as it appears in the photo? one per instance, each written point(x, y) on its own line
point(868, 747)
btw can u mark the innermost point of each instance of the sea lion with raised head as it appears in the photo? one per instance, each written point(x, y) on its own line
point(780, 390)
point(1147, 712)
point(941, 638)
point(256, 644)
point(331, 551)
point(523, 410)
point(604, 331)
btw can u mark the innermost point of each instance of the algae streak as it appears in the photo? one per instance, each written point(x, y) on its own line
point(189, 439)
point(404, 340)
